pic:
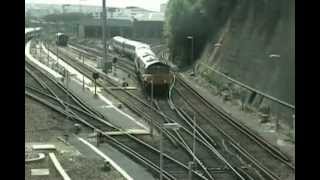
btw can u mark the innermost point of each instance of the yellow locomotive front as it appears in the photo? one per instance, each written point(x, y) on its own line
point(157, 79)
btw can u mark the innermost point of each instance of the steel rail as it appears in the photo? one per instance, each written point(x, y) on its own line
point(76, 99)
point(243, 152)
point(43, 101)
point(185, 146)
point(244, 129)
point(80, 71)
point(66, 113)
point(212, 148)
point(89, 69)
point(74, 107)
point(138, 99)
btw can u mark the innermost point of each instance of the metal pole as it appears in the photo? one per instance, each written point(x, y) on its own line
point(194, 139)
point(68, 78)
point(151, 123)
point(161, 151)
point(190, 170)
point(277, 124)
point(151, 91)
point(95, 87)
point(293, 121)
point(293, 125)
point(83, 74)
point(151, 128)
point(192, 55)
point(48, 53)
point(57, 54)
point(40, 50)
point(104, 21)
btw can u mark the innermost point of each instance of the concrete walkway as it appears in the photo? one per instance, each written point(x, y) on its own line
point(100, 104)
point(126, 166)
point(105, 107)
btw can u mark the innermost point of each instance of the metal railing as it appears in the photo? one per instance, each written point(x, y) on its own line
point(249, 88)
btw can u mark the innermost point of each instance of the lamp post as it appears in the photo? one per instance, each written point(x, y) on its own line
point(171, 126)
point(192, 50)
point(48, 57)
point(57, 54)
point(275, 56)
point(104, 21)
point(192, 163)
point(194, 139)
point(152, 93)
point(83, 74)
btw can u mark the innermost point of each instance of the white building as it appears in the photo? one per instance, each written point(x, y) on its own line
point(163, 7)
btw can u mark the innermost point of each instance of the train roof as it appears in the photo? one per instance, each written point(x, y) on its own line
point(143, 51)
point(147, 57)
point(60, 34)
point(27, 30)
point(136, 44)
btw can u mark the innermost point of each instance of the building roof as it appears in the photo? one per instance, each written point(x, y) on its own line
point(150, 17)
point(115, 22)
point(27, 30)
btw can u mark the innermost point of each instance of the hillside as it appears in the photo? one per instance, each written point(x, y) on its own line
point(249, 31)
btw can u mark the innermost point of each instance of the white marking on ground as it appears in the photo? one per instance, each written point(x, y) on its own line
point(87, 82)
point(66, 66)
point(58, 166)
point(31, 58)
point(113, 163)
point(121, 112)
point(107, 106)
point(128, 131)
point(40, 172)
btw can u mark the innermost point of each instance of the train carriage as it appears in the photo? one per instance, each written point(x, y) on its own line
point(32, 32)
point(62, 39)
point(126, 47)
point(153, 73)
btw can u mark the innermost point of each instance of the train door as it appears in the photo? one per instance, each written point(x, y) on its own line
point(123, 48)
point(136, 61)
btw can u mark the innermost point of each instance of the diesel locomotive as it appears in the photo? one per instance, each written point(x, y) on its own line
point(62, 39)
point(155, 75)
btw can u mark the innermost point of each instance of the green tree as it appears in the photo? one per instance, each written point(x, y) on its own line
point(198, 18)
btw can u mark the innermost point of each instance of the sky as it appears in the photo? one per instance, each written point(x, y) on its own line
point(147, 4)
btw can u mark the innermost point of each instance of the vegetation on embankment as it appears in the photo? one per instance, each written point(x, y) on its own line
point(198, 18)
point(248, 31)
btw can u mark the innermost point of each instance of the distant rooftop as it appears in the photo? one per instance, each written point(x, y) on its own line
point(135, 8)
point(154, 16)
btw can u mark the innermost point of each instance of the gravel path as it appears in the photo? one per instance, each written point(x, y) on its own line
point(44, 125)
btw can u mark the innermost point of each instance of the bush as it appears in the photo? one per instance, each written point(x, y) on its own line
point(201, 19)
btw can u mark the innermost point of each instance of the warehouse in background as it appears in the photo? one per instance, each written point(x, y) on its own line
point(130, 22)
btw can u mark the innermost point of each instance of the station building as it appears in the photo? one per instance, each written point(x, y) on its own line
point(130, 22)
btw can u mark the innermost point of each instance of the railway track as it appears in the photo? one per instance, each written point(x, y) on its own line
point(206, 159)
point(228, 137)
point(268, 160)
point(127, 143)
point(207, 156)
point(51, 93)
point(206, 140)
point(145, 153)
point(137, 105)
